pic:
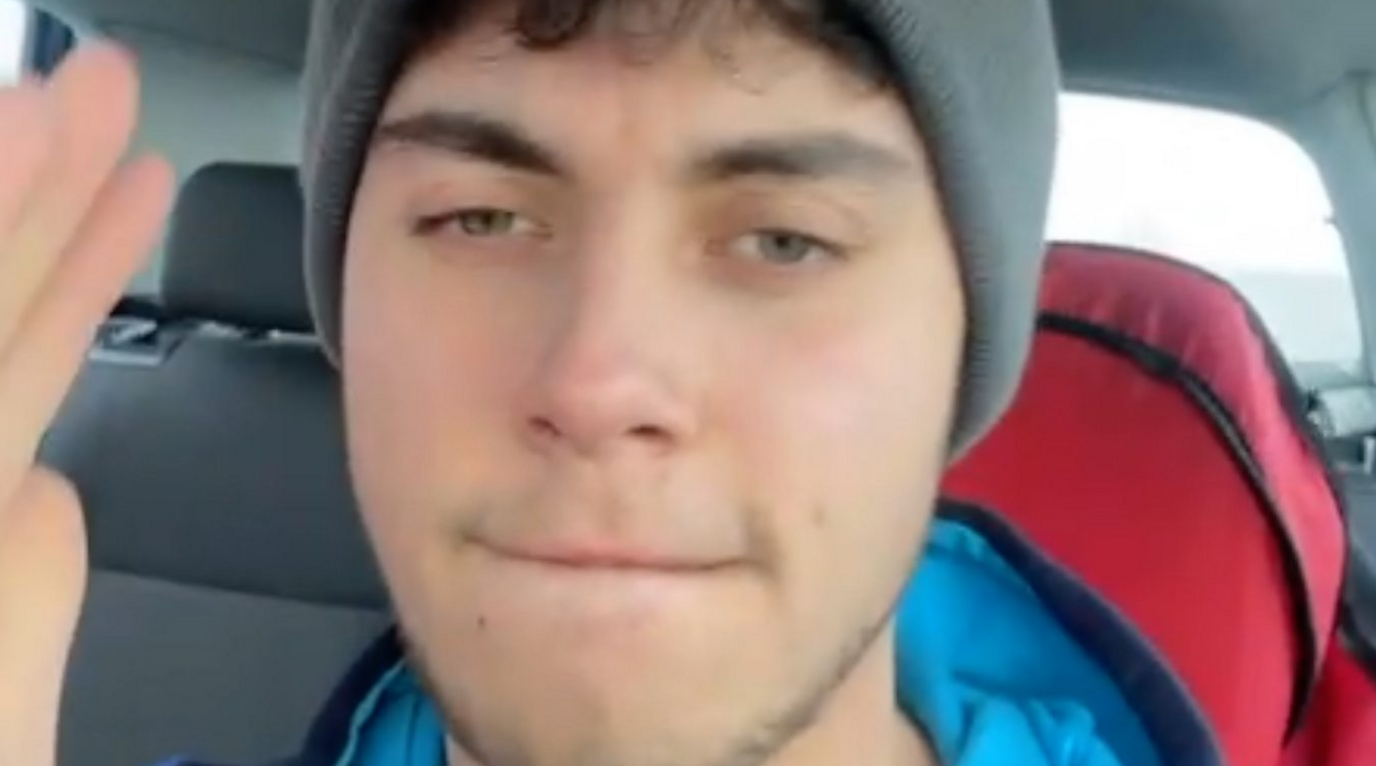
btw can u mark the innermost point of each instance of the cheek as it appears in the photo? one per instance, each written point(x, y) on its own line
point(431, 358)
point(844, 422)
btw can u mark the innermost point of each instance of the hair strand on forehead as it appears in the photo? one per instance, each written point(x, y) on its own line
point(829, 25)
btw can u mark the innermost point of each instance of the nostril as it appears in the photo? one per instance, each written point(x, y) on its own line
point(543, 428)
point(650, 435)
point(647, 432)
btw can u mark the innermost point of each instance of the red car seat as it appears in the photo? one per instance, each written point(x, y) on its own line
point(1340, 729)
point(1158, 448)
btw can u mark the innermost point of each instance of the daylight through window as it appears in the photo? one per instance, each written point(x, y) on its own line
point(13, 23)
point(1229, 194)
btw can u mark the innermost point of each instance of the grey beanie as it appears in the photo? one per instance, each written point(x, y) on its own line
point(980, 77)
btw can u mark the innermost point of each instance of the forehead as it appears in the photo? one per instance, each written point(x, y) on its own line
point(724, 69)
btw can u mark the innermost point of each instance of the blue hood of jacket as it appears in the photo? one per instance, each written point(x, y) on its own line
point(1003, 658)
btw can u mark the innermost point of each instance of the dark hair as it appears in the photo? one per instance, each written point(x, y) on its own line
point(830, 25)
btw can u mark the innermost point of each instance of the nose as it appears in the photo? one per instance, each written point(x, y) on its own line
point(607, 383)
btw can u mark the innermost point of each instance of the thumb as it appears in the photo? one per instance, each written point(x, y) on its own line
point(42, 583)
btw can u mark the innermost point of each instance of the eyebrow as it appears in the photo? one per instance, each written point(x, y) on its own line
point(807, 156)
point(803, 157)
point(473, 136)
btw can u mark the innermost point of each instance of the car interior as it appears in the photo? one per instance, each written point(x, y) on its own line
point(1196, 436)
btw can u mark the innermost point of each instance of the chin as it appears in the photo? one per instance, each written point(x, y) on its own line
point(550, 732)
point(573, 704)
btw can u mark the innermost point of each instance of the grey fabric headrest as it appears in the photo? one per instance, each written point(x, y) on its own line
point(234, 249)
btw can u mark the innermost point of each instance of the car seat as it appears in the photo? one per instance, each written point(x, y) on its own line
point(1158, 448)
point(231, 582)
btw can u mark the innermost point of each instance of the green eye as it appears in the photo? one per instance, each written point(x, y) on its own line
point(487, 223)
point(482, 223)
point(781, 248)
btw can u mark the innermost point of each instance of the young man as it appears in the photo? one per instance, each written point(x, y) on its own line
point(658, 323)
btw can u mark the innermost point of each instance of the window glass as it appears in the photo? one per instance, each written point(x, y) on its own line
point(1226, 193)
point(13, 24)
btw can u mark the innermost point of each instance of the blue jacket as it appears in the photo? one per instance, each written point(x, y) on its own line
point(1003, 658)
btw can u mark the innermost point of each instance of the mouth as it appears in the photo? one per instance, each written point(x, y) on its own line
point(604, 556)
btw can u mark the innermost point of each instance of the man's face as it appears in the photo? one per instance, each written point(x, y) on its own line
point(649, 370)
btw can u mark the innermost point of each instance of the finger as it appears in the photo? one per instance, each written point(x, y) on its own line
point(91, 103)
point(38, 367)
point(24, 136)
point(42, 582)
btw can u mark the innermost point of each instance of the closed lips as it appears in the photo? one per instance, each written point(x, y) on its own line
point(604, 555)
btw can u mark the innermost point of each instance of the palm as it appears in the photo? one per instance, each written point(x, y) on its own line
point(75, 222)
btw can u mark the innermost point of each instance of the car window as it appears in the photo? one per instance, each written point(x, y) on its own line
point(13, 24)
point(1229, 194)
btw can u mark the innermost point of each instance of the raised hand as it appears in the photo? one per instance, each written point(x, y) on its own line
point(76, 220)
